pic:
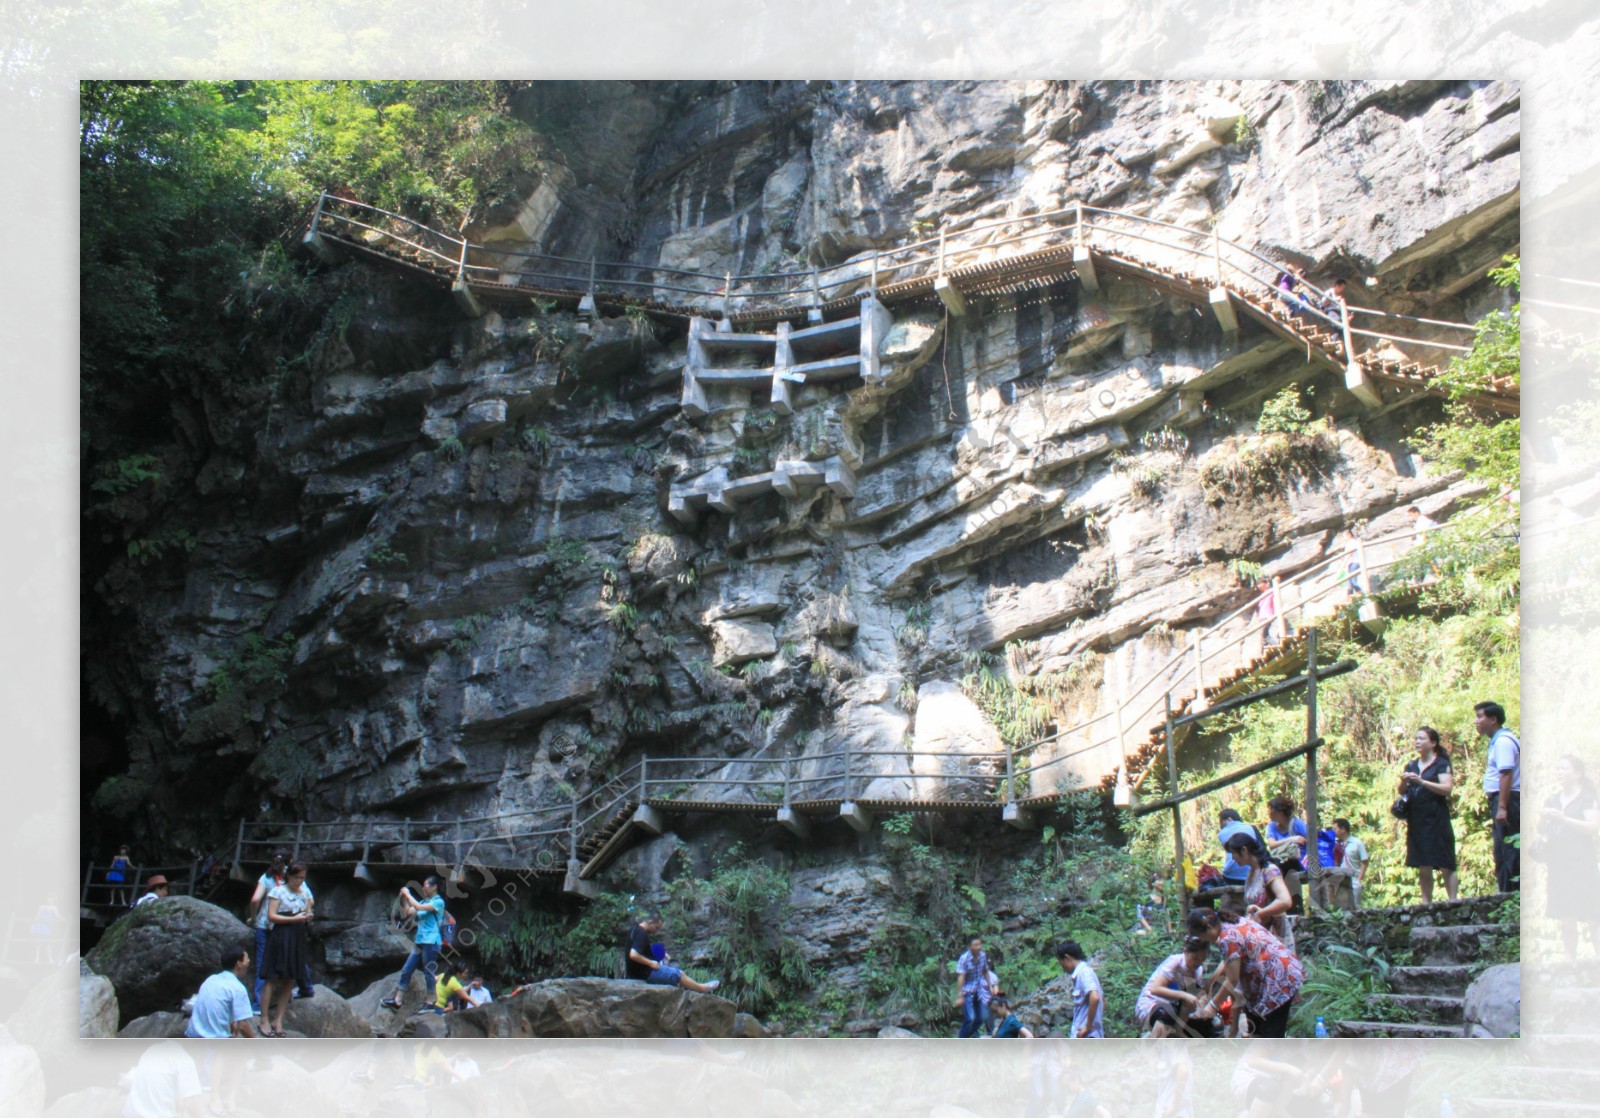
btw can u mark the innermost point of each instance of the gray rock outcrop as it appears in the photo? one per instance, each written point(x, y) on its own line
point(97, 1007)
point(158, 954)
point(1493, 1004)
point(597, 1008)
point(163, 1023)
point(326, 1014)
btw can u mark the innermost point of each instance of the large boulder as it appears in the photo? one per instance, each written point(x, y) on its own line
point(382, 1021)
point(158, 954)
point(163, 1023)
point(326, 1014)
point(1493, 1006)
point(24, 1080)
point(597, 1008)
point(97, 1007)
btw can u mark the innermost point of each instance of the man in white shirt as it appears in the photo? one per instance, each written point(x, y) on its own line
point(164, 1082)
point(156, 887)
point(1088, 1003)
point(221, 1009)
point(1355, 859)
point(222, 1006)
point(1502, 787)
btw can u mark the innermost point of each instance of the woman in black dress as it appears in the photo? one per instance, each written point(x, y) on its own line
point(1567, 830)
point(289, 909)
point(1430, 842)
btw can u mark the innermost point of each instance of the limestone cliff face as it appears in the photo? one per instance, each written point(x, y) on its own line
point(459, 528)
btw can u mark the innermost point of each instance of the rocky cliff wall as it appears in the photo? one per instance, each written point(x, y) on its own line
point(442, 581)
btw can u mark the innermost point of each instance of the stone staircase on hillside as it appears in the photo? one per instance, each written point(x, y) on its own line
point(1448, 950)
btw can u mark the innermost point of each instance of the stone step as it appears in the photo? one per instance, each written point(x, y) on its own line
point(1393, 1029)
point(1455, 944)
point(1434, 1009)
point(1505, 1105)
point(1446, 979)
point(1584, 1081)
point(1563, 1051)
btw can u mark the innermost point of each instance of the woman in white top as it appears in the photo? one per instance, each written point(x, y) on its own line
point(289, 908)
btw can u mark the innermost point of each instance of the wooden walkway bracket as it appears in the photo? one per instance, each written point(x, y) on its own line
point(794, 821)
point(950, 295)
point(1222, 307)
point(856, 816)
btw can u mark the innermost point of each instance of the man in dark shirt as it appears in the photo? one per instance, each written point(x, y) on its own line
point(640, 961)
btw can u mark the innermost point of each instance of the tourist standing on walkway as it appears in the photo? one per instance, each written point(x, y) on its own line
point(289, 910)
point(1568, 826)
point(120, 874)
point(1088, 1001)
point(973, 988)
point(1502, 786)
point(1267, 615)
point(270, 879)
point(429, 912)
point(1425, 789)
point(1256, 968)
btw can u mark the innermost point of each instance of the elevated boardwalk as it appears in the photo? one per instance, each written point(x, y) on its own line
point(576, 840)
point(834, 306)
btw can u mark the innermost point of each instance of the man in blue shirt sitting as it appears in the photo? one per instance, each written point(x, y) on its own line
point(1233, 873)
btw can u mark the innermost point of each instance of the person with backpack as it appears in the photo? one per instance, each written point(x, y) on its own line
point(648, 962)
point(429, 912)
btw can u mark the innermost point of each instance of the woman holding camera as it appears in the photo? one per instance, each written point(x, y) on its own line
point(1425, 790)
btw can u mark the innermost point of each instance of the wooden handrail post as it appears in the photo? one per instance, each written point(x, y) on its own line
point(941, 247)
point(572, 830)
point(1312, 861)
point(1363, 584)
point(1078, 230)
point(1216, 253)
point(461, 268)
point(593, 266)
point(788, 776)
point(1011, 774)
point(874, 287)
point(316, 217)
point(238, 846)
point(846, 769)
point(1199, 668)
point(1177, 811)
point(727, 293)
point(1344, 323)
point(88, 877)
point(644, 779)
point(299, 833)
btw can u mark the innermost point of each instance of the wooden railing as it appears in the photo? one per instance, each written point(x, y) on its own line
point(979, 253)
